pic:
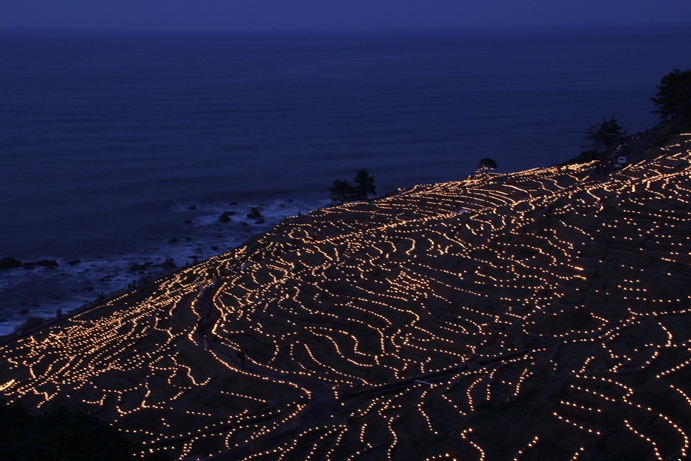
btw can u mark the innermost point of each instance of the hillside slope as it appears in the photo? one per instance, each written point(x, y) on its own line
point(535, 315)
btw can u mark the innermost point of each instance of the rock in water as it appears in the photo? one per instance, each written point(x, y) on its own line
point(43, 263)
point(9, 263)
point(168, 264)
point(136, 267)
point(225, 217)
point(254, 213)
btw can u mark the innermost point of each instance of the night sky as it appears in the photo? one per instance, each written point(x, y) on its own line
point(333, 14)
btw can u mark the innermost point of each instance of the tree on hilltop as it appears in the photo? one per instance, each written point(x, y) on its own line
point(673, 99)
point(342, 191)
point(604, 137)
point(487, 164)
point(364, 185)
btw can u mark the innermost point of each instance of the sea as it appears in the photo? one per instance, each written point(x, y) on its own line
point(121, 149)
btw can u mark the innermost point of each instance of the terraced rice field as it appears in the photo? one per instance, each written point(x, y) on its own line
point(459, 320)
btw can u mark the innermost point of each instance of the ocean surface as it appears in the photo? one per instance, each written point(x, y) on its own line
point(123, 148)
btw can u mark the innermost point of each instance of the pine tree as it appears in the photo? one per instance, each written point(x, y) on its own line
point(603, 137)
point(364, 185)
point(341, 191)
point(673, 99)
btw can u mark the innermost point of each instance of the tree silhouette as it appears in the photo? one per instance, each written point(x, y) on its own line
point(364, 185)
point(487, 164)
point(342, 191)
point(673, 99)
point(603, 137)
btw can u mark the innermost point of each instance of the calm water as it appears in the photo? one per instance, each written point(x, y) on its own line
point(113, 144)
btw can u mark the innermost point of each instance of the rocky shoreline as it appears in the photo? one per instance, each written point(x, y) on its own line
point(38, 288)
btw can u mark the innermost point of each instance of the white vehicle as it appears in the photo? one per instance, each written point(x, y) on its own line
point(621, 162)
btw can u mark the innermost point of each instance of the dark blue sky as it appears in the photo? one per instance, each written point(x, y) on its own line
point(335, 14)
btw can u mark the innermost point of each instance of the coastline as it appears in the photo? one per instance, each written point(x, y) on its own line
point(120, 175)
point(68, 283)
point(438, 306)
point(83, 283)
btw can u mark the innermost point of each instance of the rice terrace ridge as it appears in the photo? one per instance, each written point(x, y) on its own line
point(448, 321)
